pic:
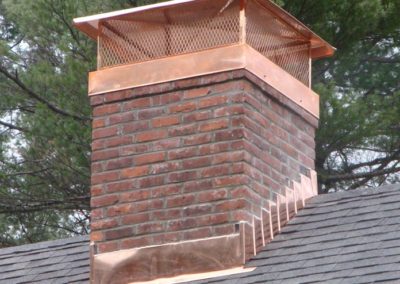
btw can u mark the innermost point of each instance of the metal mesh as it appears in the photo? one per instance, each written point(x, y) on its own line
point(176, 30)
point(168, 32)
point(278, 42)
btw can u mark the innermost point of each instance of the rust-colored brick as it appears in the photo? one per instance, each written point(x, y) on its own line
point(191, 159)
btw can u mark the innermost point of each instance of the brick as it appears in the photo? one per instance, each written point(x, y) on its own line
point(134, 149)
point(196, 210)
point(212, 101)
point(121, 118)
point(118, 233)
point(96, 236)
point(193, 186)
point(164, 167)
point(214, 125)
point(104, 132)
point(182, 153)
point(106, 109)
point(149, 228)
point(227, 157)
point(150, 158)
point(163, 215)
point(135, 219)
point(135, 172)
point(167, 190)
point(196, 163)
point(180, 201)
point(182, 176)
point(183, 130)
point(151, 135)
point(123, 209)
point(229, 135)
point(178, 225)
point(135, 195)
point(151, 181)
point(231, 205)
point(150, 113)
point(170, 98)
point(212, 219)
point(166, 144)
point(197, 139)
point(97, 145)
point(183, 107)
point(228, 181)
point(228, 110)
point(169, 237)
point(196, 116)
point(213, 148)
point(224, 229)
point(103, 201)
point(119, 186)
point(97, 167)
point(220, 170)
point(138, 103)
point(98, 123)
point(136, 242)
point(196, 93)
point(104, 177)
point(119, 163)
point(165, 121)
point(198, 234)
point(212, 195)
point(107, 247)
point(117, 141)
point(96, 214)
point(103, 224)
point(135, 127)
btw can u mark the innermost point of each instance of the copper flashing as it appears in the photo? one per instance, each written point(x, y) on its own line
point(207, 62)
point(168, 260)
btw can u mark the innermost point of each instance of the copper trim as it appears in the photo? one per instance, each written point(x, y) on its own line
point(314, 182)
point(207, 62)
point(168, 260)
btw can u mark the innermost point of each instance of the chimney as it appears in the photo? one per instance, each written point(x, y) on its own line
point(203, 134)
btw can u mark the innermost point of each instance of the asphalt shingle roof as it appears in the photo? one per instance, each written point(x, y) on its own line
point(347, 237)
point(60, 261)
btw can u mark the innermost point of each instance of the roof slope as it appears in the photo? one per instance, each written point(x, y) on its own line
point(61, 261)
point(347, 237)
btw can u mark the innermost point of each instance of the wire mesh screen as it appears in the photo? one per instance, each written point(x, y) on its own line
point(277, 41)
point(167, 32)
point(202, 25)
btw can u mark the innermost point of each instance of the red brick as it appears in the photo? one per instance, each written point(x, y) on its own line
point(134, 149)
point(107, 247)
point(135, 219)
point(123, 209)
point(212, 195)
point(117, 141)
point(135, 172)
point(166, 214)
point(164, 167)
point(227, 157)
point(135, 195)
point(103, 224)
point(184, 107)
point(150, 228)
point(178, 225)
point(96, 236)
point(212, 219)
point(198, 234)
point(104, 177)
point(214, 125)
point(182, 176)
point(196, 116)
point(119, 186)
point(98, 123)
point(182, 130)
point(195, 93)
point(96, 190)
point(212, 101)
point(135, 127)
point(121, 118)
point(170, 98)
point(136, 242)
point(225, 229)
point(106, 109)
point(166, 144)
point(96, 214)
point(228, 135)
point(182, 153)
point(118, 233)
point(149, 158)
point(214, 148)
point(97, 145)
point(167, 238)
point(180, 201)
point(104, 132)
point(151, 181)
point(150, 113)
point(166, 191)
point(196, 210)
point(231, 205)
point(228, 181)
point(137, 104)
point(228, 110)
point(105, 200)
point(165, 121)
point(198, 139)
point(193, 186)
point(151, 135)
point(220, 170)
point(196, 163)
point(119, 163)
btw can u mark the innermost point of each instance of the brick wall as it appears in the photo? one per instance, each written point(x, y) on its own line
point(190, 159)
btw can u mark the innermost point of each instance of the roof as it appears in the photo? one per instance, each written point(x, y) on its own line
point(90, 24)
point(60, 261)
point(346, 237)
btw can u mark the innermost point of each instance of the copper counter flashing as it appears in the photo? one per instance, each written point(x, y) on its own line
point(207, 62)
point(198, 276)
point(169, 260)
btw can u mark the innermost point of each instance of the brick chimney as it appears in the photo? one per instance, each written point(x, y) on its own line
point(203, 134)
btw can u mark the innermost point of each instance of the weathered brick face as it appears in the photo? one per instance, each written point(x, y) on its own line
point(190, 159)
